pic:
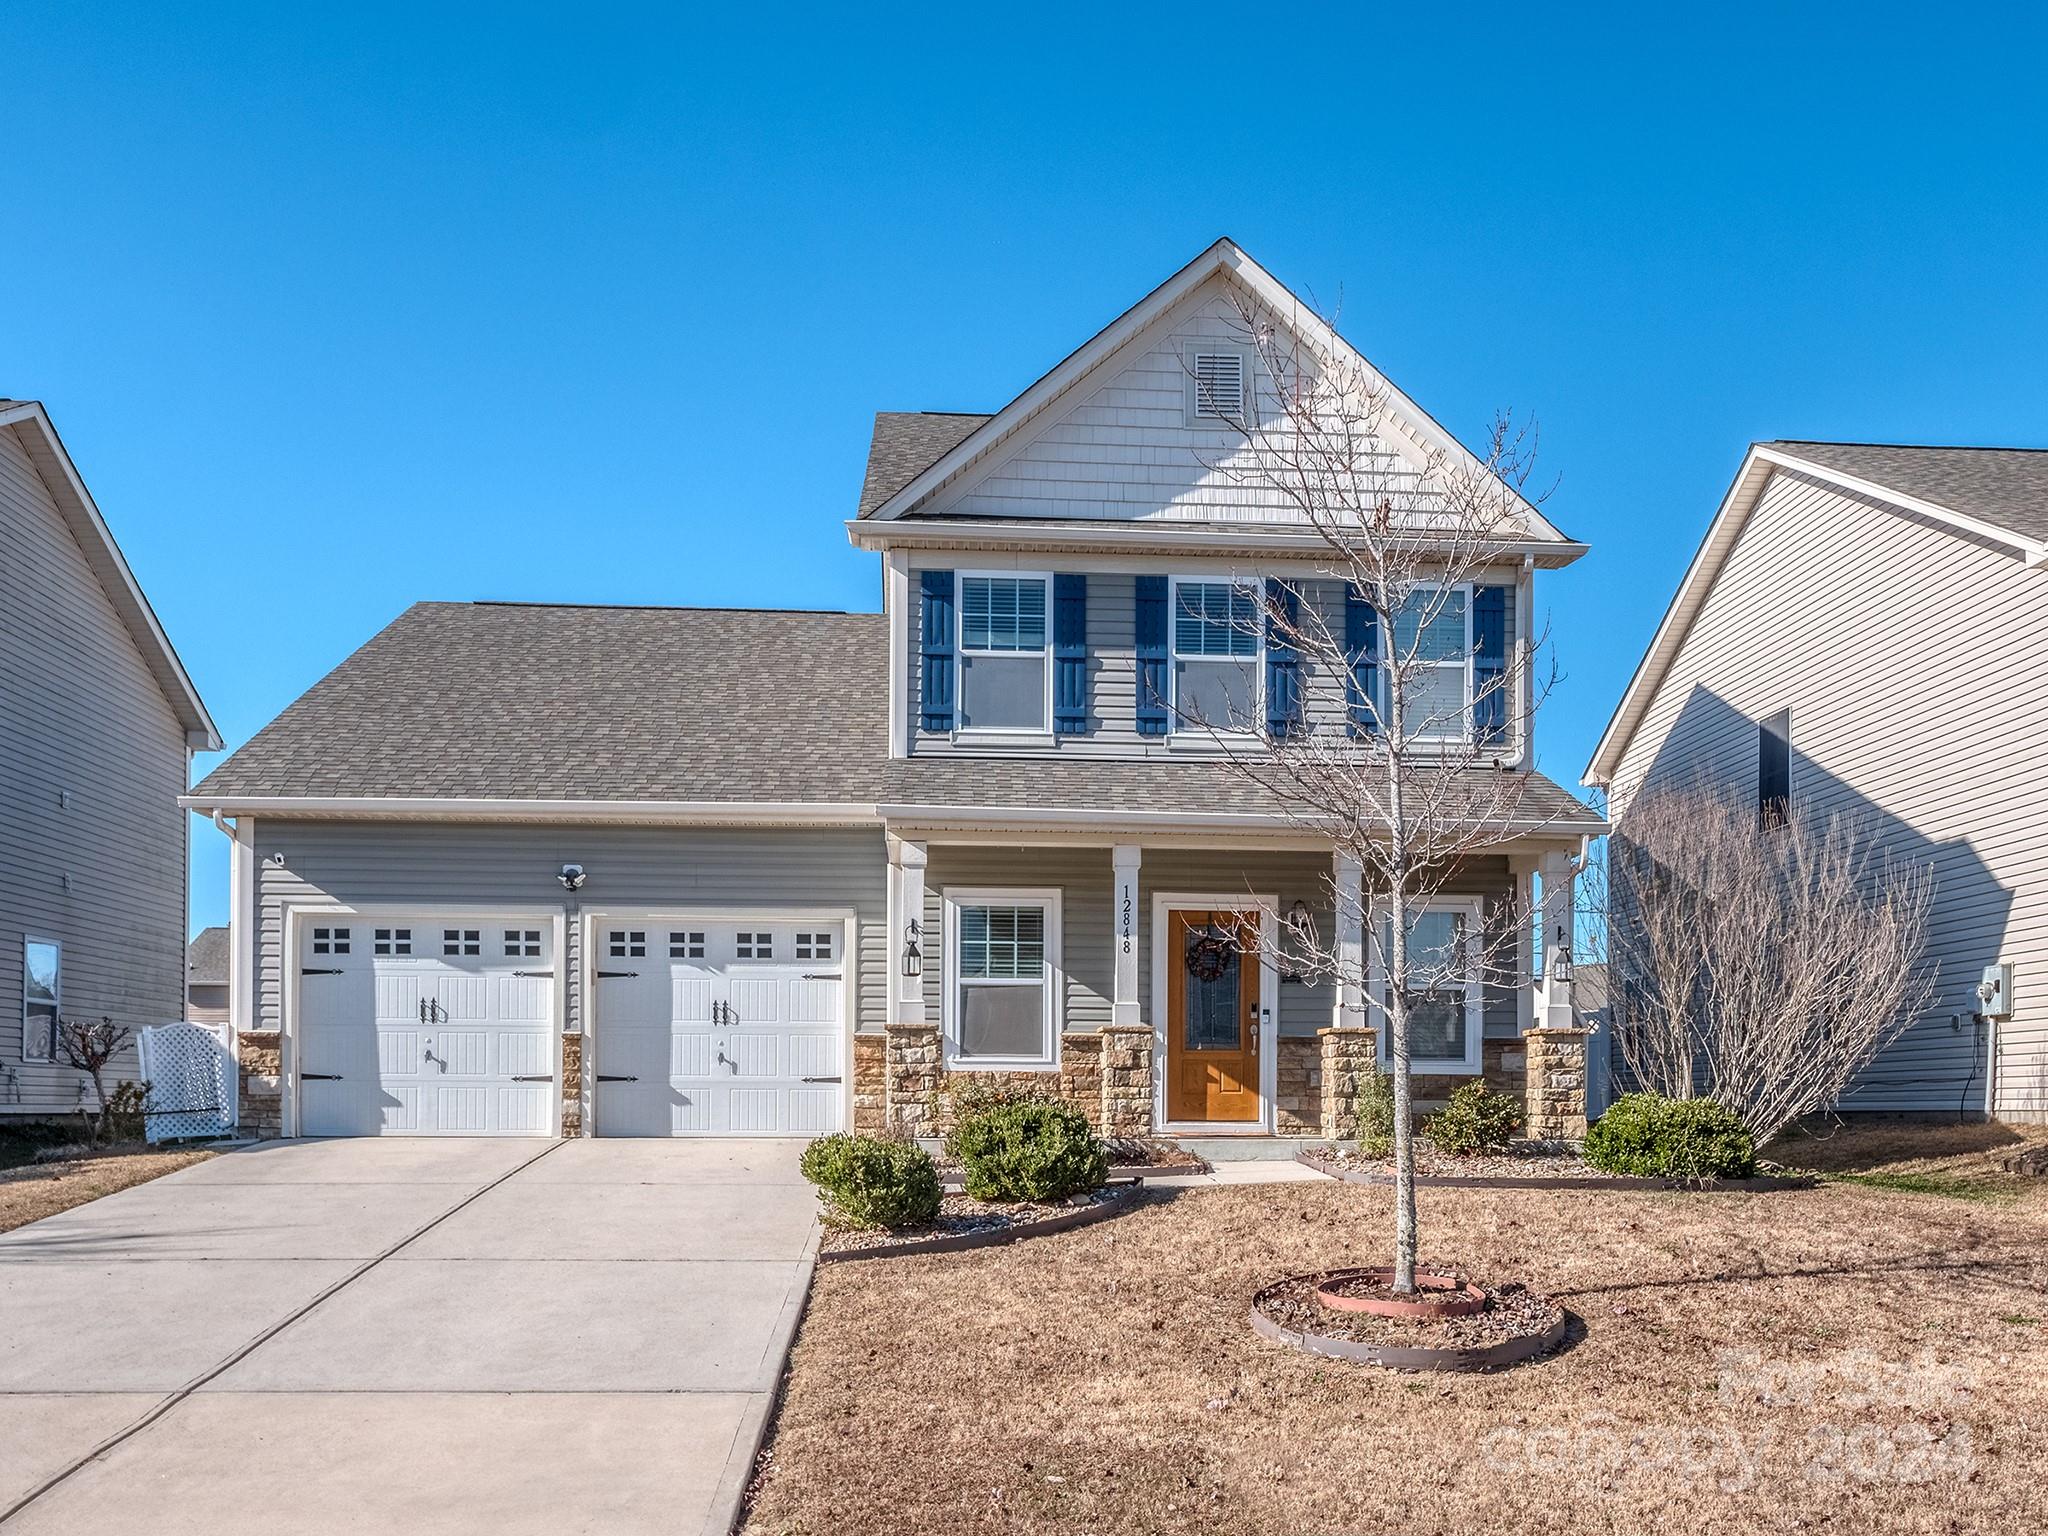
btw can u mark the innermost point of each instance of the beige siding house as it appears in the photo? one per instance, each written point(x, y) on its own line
point(1891, 604)
point(786, 873)
point(98, 724)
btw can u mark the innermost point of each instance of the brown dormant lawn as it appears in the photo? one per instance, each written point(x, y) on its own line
point(36, 1190)
point(1838, 1359)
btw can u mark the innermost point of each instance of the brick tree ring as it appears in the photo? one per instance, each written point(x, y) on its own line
point(1349, 1314)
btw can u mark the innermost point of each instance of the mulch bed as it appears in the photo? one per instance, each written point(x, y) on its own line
point(1512, 1312)
point(964, 1222)
point(1526, 1167)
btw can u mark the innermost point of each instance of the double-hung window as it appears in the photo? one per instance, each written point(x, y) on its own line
point(1445, 990)
point(1217, 630)
point(42, 991)
point(1005, 668)
point(1432, 644)
point(1003, 979)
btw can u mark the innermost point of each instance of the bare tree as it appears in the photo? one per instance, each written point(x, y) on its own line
point(1370, 741)
point(88, 1045)
point(1762, 960)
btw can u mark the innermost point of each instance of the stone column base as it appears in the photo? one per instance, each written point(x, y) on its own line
point(1127, 1081)
point(572, 1084)
point(913, 1070)
point(260, 1082)
point(1350, 1060)
point(1555, 1095)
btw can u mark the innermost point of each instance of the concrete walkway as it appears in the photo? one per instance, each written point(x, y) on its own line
point(410, 1335)
point(1259, 1170)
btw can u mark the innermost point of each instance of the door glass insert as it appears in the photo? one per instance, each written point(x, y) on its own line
point(1213, 1020)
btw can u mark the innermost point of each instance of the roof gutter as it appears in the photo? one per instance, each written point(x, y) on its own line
point(472, 808)
point(1302, 544)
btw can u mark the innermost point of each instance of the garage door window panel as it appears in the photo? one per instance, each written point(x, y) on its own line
point(1003, 979)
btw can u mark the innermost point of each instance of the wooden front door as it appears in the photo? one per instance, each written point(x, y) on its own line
point(1212, 1016)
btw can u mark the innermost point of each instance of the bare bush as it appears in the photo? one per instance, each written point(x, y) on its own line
point(88, 1045)
point(1759, 961)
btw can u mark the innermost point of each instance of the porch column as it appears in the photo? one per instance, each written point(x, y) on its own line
point(1522, 867)
point(1123, 1008)
point(1348, 1005)
point(906, 928)
point(1555, 1010)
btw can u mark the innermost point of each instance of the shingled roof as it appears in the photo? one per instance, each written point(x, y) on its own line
point(525, 702)
point(2006, 487)
point(905, 445)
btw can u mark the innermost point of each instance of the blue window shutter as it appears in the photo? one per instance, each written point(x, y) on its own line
point(1283, 659)
point(936, 648)
point(1489, 662)
point(1070, 655)
point(1362, 648)
point(1150, 617)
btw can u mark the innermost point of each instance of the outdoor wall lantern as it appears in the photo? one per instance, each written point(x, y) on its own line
point(913, 957)
point(1561, 960)
point(1301, 924)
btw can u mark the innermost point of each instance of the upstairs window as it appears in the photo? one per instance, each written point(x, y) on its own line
point(1433, 631)
point(1005, 675)
point(1774, 770)
point(1216, 629)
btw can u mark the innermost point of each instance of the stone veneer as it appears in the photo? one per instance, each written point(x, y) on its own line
point(870, 1087)
point(1556, 1091)
point(900, 1081)
point(572, 1084)
point(1126, 1081)
point(260, 1058)
point(1298, 1086)
point(1348, 1062)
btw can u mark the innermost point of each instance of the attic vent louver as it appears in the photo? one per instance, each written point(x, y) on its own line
point(1219, 385)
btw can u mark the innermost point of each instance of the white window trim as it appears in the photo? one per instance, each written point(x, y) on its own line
point(1048, 897)
point(27, 941)
point(1175, 724)
point(1248, 360)
point(1003, 735)
point(1462, 736)
point(1474, 1059)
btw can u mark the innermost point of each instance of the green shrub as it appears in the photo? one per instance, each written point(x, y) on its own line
point(1655, 1137)
point(872, 1182)
point(976, 1093)
point(1477, 1119)
point(1374, 1107)
point(1027, 1148)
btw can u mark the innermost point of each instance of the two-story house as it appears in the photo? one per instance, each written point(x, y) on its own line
point(98, 724)
point(1864, 633)
point(625, 871)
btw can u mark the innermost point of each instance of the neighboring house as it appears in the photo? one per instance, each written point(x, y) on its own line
point(529, 869)
point(206, 977)
point(1865, 630)
point(98, 724)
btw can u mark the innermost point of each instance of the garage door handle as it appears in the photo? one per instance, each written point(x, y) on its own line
point(321, 970)
point(319, 1077)
point(822, 1079)
point(538, 1077)
point(605, 1077)
point(601, 975)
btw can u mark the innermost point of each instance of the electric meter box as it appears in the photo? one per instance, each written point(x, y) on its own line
point(1994, 992)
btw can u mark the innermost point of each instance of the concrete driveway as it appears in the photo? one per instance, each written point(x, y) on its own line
point(427, 1336)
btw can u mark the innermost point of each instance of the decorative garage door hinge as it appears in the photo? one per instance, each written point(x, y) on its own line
point(821, 1079)
point(605, 1077)
point(537, 1077)
point(601, 975)
point(319, 1077)
point(548, 974)
point(321, 970)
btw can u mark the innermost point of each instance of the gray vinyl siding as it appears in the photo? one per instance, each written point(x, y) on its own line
point(81, 716)
point(1084, 876)
point(1113, 657)
point(1911, 658)
point(394, 864)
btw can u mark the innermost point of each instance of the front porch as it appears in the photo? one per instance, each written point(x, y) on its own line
point(1110, 921)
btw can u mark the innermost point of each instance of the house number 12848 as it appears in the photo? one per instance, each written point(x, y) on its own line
point(1126, 921)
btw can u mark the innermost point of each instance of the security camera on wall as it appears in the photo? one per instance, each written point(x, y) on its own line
point(572, 877)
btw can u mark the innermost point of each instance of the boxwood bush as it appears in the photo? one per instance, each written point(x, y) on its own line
point(1028, 1149)
point(1654, 1137)
point(1476, 1120)
point(1374, 1108)
point(872, 1182)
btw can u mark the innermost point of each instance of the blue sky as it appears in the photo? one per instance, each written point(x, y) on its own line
point(343, 307)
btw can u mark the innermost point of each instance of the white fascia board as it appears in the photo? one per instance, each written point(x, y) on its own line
point(1224, 256)
point(1098, 821)
point(1758, 465)
point(202, 735)
point(436, 808)
point(1139, 537)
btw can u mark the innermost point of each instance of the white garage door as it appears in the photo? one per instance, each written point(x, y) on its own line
point(426, 1026)
point(718, 1028)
